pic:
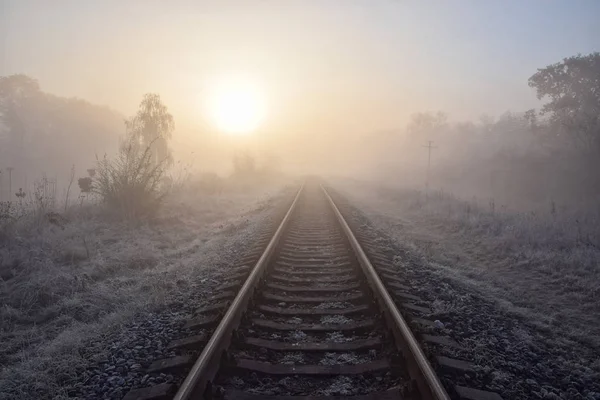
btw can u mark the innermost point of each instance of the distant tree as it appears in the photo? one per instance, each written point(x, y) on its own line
point(573, 89)
point(510, 122)
point(511, 130)
point(531, 118)
point(14, 89)
point(426, 123)
point(152, 126)
point(486, 120)
point(19, 99)
point(43, 132)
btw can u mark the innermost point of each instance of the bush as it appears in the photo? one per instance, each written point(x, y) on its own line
point(6, 211)
point(133, 183)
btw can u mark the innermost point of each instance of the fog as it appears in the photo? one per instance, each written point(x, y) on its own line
point(352, 88)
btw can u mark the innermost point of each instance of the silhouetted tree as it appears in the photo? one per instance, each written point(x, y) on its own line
point(573, 89)
point(152, 126)
point(426, 123)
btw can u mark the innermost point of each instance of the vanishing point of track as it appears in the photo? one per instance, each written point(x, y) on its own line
point(311, 320)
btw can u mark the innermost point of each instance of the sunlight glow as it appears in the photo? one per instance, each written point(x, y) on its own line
point(237, 106)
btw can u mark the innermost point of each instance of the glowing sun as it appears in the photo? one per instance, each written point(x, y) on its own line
point(237, 106)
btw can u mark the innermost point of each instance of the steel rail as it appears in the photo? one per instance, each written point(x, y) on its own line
point(206, 365)
point(421, 371)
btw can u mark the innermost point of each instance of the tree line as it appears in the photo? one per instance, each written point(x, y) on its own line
point(43, 134)
point(538, 154)
point(553, 151)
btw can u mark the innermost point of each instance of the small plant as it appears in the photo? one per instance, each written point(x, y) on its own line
point(6, 211)
point(20, 194)
point(21, 198)
point(85, 184)
point(72, 176)
point(44, 195)
point(131, 184)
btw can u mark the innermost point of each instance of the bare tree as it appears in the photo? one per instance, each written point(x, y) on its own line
point(152, 126)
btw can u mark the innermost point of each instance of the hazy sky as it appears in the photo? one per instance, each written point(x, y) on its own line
point(339, 65)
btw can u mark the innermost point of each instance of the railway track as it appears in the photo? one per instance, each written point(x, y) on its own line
point(312, 319)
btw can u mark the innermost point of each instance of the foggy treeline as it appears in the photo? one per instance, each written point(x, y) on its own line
point(520, 158)
point(503, 158)
point(46, 139)
point(43, 135)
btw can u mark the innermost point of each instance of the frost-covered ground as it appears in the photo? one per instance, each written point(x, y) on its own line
point(519, 292)
point(91, 298)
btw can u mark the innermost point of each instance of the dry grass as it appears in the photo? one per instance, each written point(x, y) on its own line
point(542, 265)
point(62, 285)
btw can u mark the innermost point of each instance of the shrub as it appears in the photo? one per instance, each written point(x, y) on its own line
point(132, 184)
point(6, 211)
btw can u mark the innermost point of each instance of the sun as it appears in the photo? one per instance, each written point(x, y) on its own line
point(237, 106)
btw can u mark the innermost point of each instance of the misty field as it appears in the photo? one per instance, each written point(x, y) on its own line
point(68, 286)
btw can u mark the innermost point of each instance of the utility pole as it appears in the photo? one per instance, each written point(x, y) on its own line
point(10, 170)
point(429, 147)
